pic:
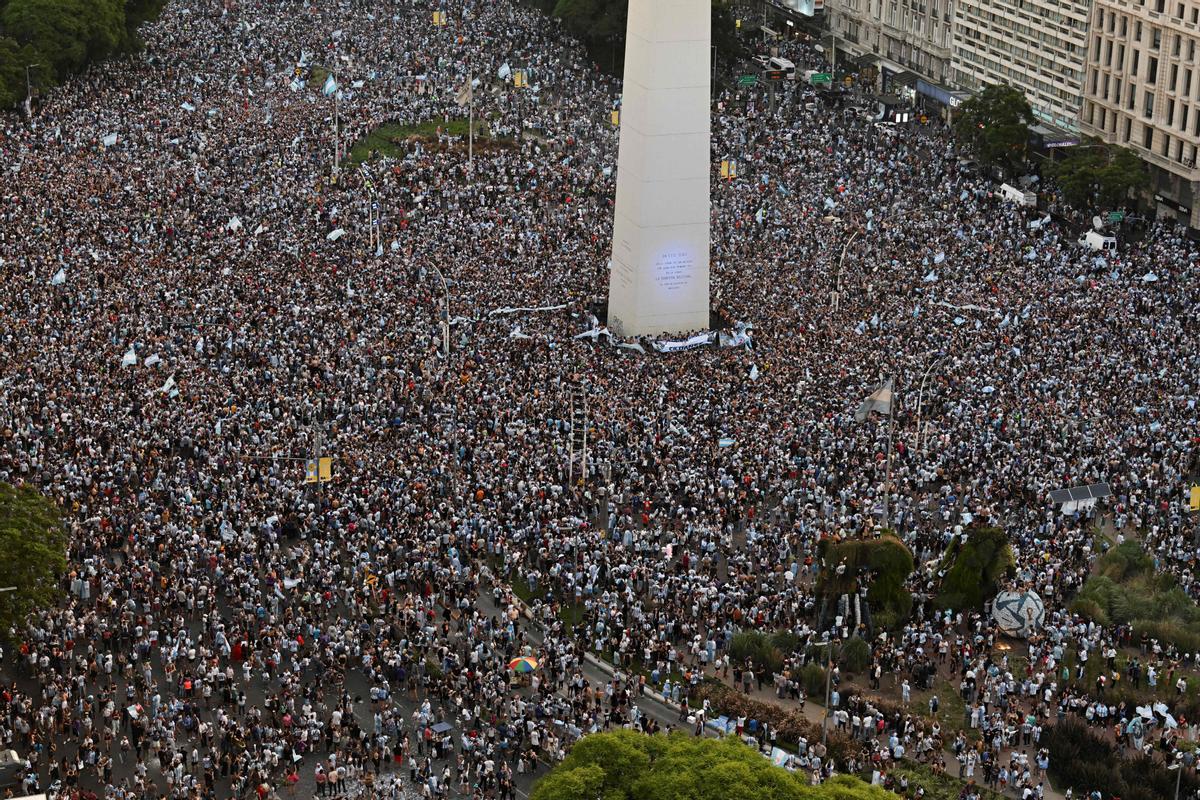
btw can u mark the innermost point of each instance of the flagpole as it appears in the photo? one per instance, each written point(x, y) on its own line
point(471, 120)
point(337, 146)
point(887, 485)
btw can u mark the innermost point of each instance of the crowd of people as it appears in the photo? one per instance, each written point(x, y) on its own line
point(185, 327)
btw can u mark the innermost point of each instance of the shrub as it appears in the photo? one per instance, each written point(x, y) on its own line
point(1168, 632)
point(1081, 760)
point(937, 786)
point(885, 620)
point(1126, 560)
point(855, 655)
point(974, 569)
point(746, 646)
point(812, 678)
point(785, 642)
point(755, 648)
point(1090, 609)
point(790, 724)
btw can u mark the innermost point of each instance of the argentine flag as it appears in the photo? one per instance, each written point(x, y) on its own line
point(330, 86)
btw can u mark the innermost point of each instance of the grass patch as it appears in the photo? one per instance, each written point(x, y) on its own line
point(316, 76)
point(939, 787)
point(387, 139)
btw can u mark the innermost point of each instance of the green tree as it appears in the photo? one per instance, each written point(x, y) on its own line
point(621, 756)
point(68, 34)
point(681, 767)
point(973, 569)
point(33, 553)
point(579, 783)
point(994, 125)
point(13, 59)
point(600, 25)
point(63, 37)
point(1098, 177)
point(593, 20)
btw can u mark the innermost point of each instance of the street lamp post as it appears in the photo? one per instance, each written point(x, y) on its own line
point(921, 399)
point(29, 91)
point(445, 311)
point(837, 292)
point(828, 688)
point(1181, 760)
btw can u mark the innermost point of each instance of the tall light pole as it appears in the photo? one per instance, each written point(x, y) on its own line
point(828, 687)
point(837, 292)
point(29, 91)
point(921, 399)
point(445, 311)
point(1181, 760)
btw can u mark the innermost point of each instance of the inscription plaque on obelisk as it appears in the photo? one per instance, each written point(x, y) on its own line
point(659, 280)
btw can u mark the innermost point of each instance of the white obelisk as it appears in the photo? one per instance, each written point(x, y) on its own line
point(659, 280)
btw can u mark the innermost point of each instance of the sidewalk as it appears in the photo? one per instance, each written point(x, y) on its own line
point(815, 713)
point(666, 711)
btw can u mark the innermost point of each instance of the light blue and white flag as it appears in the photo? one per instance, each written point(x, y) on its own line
point(330, 86)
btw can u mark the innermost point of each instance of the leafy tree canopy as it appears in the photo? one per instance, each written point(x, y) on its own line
point(994, 125)
point(625, 765)
point(1099, 177)
point(33, 553)
point(62, 37)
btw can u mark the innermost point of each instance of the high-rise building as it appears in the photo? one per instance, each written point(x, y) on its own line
point(1037, 46)
point(913, 34)
point(1142, 91)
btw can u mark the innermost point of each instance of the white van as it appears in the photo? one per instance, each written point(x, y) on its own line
point(1099, 242)
point(1018, 196)
point(787, 67)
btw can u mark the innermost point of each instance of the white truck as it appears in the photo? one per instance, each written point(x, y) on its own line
point(1018, 196)
point(1099, 242)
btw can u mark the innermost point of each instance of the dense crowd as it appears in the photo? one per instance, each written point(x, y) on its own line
point(185, 326)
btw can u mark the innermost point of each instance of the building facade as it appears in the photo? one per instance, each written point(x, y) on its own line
point(914, 35)
point(1142, 91)
point(1038, 46)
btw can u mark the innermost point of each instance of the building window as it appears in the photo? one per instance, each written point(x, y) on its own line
point(1133, 66)
point(1156, 39)
point(1187, 82)
point(1128, 129)
point(1147, 105)
point(1170, 113)
point(1174, 84)
point(1152, 77)
point(1147, 137)
point(1183, 117)
point(1166, 146)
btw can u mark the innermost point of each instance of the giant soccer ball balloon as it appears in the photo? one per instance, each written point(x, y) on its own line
point(1019, 614)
